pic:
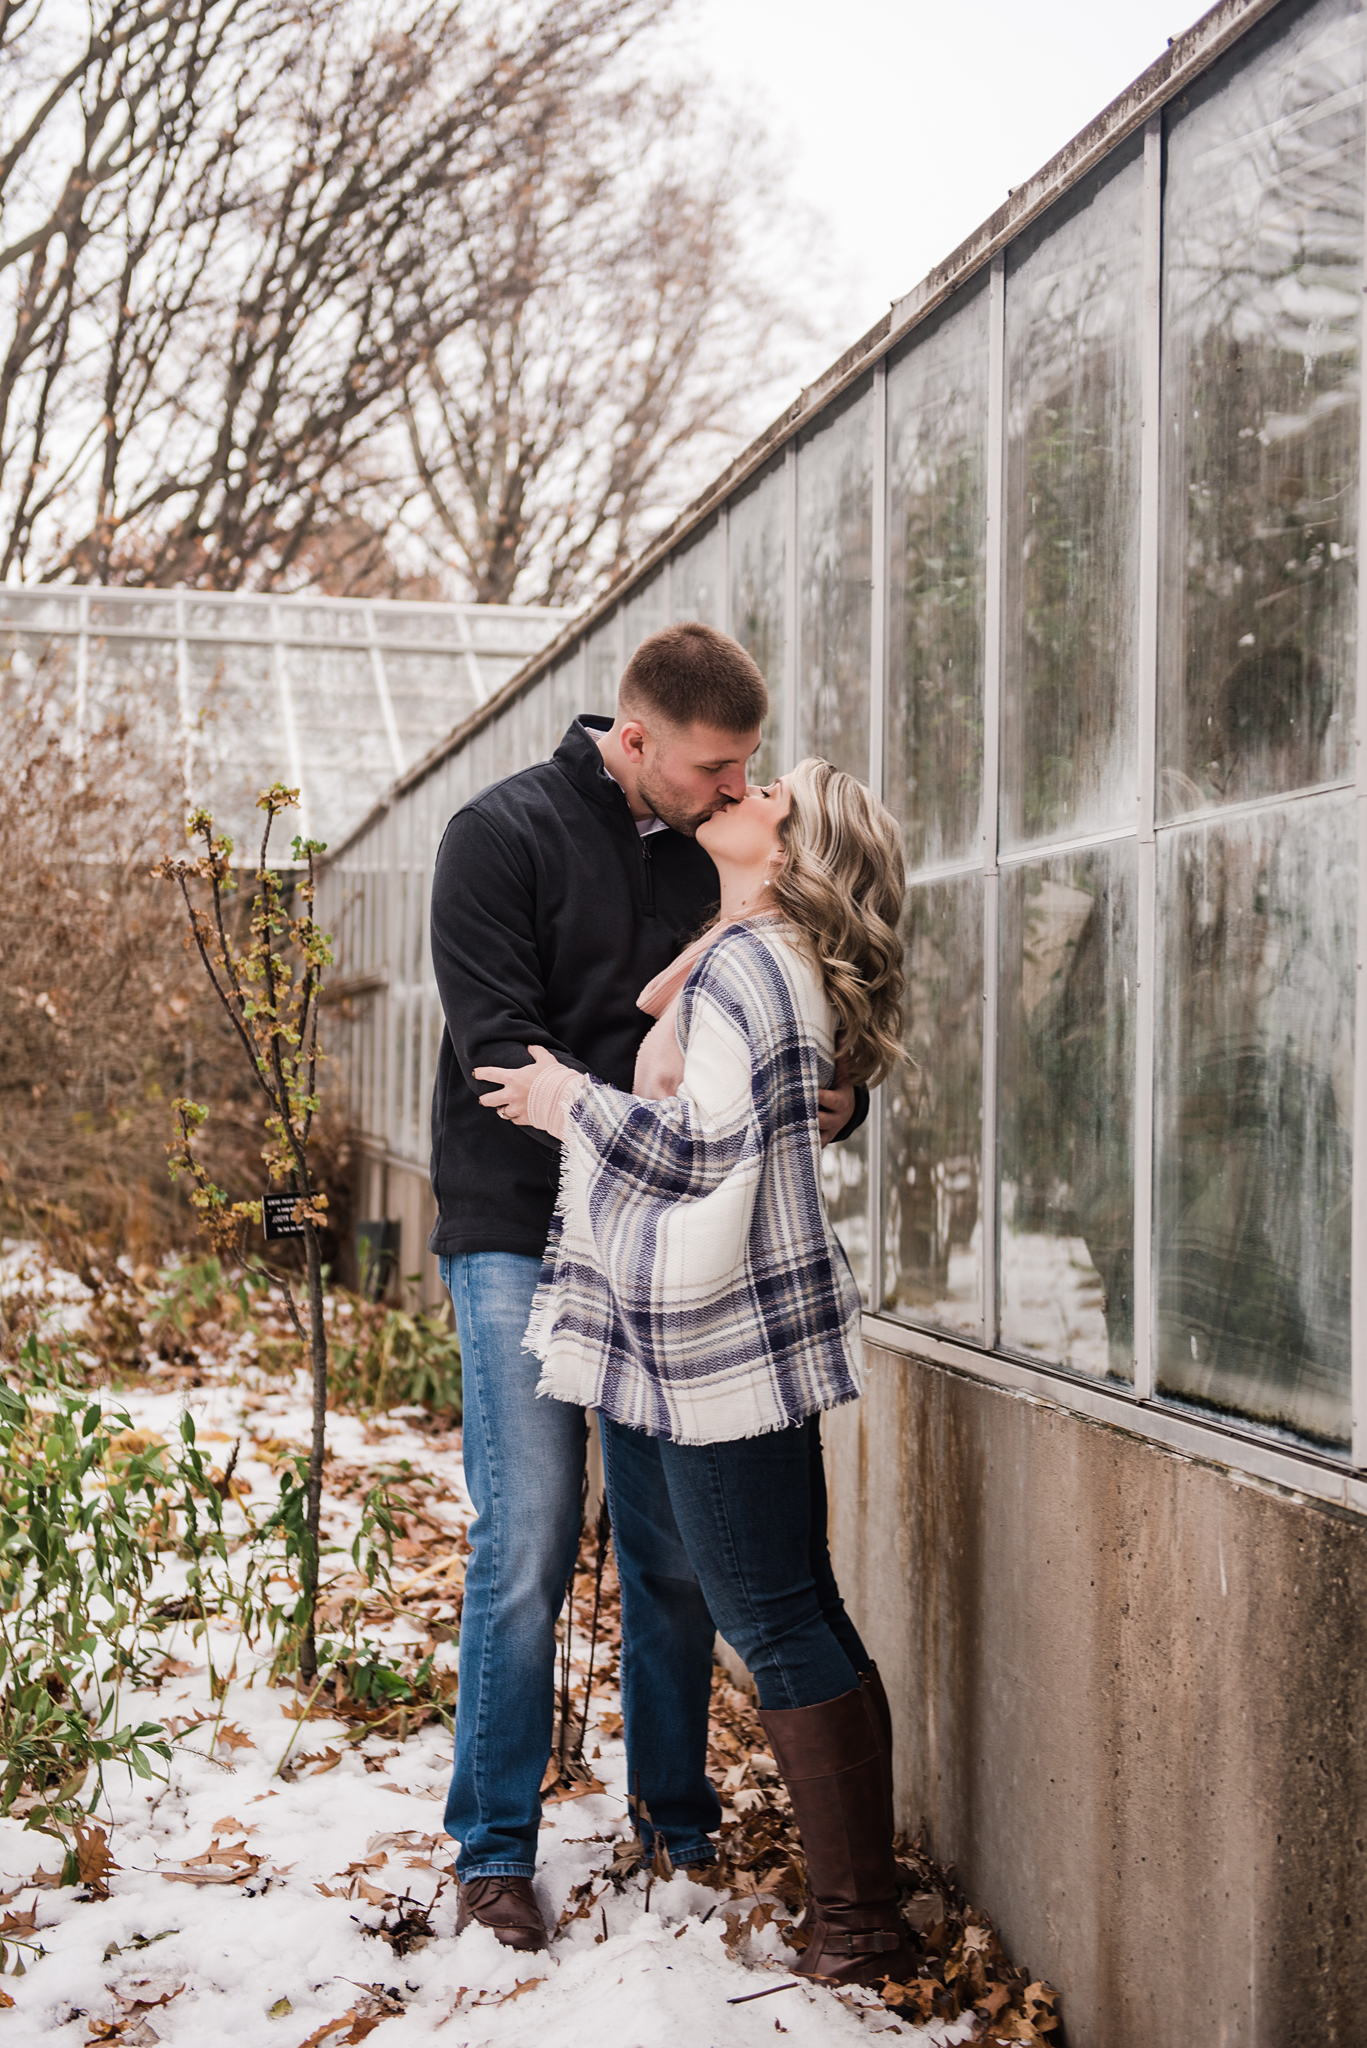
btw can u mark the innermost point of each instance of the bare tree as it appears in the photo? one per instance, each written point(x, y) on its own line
point(214, 310)
point(626, 332)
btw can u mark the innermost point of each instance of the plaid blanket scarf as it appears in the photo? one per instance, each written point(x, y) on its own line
point(693, 1287)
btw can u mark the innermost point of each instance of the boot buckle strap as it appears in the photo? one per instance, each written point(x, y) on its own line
point(878, 1941)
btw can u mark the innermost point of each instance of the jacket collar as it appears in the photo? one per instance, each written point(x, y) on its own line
point(578, 757)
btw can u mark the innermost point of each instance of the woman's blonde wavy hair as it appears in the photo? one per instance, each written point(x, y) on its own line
point(841, 883)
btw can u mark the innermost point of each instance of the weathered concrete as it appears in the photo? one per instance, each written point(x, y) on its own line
point(1131, 1706)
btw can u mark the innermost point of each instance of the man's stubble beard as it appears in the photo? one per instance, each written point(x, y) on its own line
point(672, 808)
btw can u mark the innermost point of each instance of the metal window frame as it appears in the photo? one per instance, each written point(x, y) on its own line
point(880, 568)
point(993, 657)
point(1146, 740)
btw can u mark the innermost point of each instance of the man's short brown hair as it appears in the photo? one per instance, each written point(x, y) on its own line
point(691, 674)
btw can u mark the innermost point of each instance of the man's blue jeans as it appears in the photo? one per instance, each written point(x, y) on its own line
point(524, 1471)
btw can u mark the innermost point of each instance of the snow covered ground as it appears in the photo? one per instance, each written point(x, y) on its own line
point(248, 1905)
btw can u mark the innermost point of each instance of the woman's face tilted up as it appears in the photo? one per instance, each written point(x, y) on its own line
point(742, 839)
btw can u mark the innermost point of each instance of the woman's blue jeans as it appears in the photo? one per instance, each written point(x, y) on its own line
point(752, 1516)
point(524, 1470)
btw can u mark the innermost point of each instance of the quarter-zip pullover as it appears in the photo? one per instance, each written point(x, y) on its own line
point(550, 913)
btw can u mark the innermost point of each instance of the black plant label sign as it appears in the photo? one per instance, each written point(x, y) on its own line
point(277, 1216)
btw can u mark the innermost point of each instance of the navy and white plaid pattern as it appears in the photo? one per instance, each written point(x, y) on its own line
point(693, 1287)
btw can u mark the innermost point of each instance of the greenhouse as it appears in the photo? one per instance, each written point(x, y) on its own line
point(1069, 568)
point(333, 696)
point(1062, 556)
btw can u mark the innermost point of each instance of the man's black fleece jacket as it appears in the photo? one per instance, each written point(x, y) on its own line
point(550, 913)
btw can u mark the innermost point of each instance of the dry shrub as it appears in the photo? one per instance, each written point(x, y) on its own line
point(104, 1014)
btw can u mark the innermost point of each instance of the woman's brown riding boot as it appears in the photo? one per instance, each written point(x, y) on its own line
point(877, 1698)
point(831, 1759)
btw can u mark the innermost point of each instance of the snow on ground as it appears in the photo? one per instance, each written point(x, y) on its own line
point(267, 1938)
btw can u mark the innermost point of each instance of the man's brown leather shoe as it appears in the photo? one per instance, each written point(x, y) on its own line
point(506, 1906)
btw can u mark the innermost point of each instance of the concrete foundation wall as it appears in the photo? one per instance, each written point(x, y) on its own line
point(1130, 1694)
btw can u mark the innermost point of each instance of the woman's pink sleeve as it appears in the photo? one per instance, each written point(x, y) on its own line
point(551, 1097)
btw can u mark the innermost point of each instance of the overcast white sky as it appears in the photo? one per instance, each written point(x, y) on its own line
point(905, 122)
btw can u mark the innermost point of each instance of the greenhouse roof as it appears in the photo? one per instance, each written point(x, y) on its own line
point(333, 696)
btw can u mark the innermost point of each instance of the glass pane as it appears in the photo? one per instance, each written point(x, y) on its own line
point(1067, 1094)
point(481, 753)
point(536, 714)
point(39, 668)
point(845, 1180)
point(431, 696)
point(755, 544)
point(507, 732)
point(695, 579)
point(644, 612)
point(604, 669)
point(136, 680)
point(937, 512)
point(239, 738)
point(1262, 242)
point(834, 531)
point(215, 619)
point(1254, 1115)
point(567, 695)
point(343, 746)
point(932, 1127)
point(145, 612)
point(46, 609)
point(1072, 549)
point(324, 622)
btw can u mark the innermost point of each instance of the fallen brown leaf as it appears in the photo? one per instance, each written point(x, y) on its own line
point(527, 1984)
point(93, 1860)
point(361, 2020)
point(223, 1852)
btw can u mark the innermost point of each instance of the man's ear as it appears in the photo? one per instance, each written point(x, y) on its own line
point(634, 737)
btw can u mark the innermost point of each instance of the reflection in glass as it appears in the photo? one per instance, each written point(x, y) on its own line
point(845, 1183)
point(932, 1119)
point(834, 534)
point(755, 544)
point(1262, 243)
point(1072, 548)
point(1254, 1115)
point(937, 510)
point(1067, 1090)
point(695, 579)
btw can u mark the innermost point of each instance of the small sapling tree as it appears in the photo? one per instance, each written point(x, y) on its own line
point(270, 984)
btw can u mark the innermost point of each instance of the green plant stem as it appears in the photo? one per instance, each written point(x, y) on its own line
point(297, 1727)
